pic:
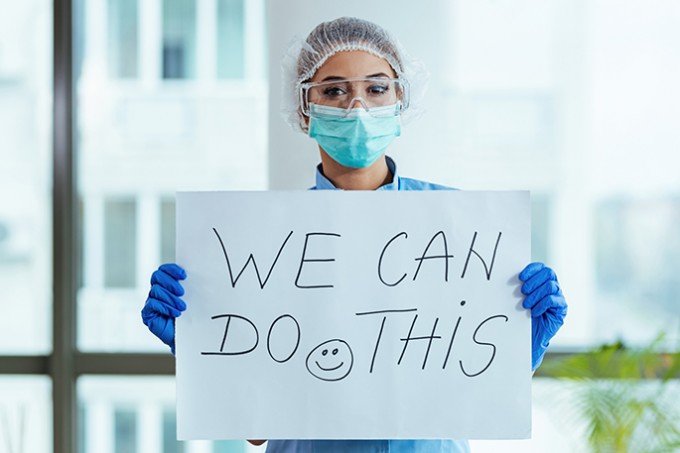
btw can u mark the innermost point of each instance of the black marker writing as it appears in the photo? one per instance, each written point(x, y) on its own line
point(226, 332)
point(333, 359)
point(330, 361)
point(493, 346)
point(382, 326)
point(250, 259)
point(410, 338)
point(297, 338)
point(453, 337)
point(304, 260)
point(487, 269)
point(382, 254)
point(445, 256)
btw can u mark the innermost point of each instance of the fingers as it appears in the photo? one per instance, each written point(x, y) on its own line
point(542, 290)
point(164, 305)
point(553, 306)
point(167, 276)
point(538, 278)
point(546, 289)
point(545, 327)
point(530, 271)
point(547, 304)
point(163, 328)
point(173, 270)
point(154, 308)
point(173, 303)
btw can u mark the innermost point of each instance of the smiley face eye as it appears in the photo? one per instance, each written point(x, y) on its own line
point(324, 352)
point(335, 351)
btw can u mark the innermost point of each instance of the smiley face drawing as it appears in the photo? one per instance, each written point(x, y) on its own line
point(331, 361)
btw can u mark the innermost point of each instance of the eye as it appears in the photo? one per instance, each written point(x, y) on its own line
point(378, 89)
point(335, 351)
point(334, 91)
point(324, 352)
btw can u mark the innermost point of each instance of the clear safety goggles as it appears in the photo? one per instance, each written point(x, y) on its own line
point(373, 94)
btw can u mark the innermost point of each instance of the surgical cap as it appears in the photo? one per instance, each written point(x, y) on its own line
point(305, 57)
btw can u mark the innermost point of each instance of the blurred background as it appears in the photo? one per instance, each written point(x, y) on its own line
point(577, 101)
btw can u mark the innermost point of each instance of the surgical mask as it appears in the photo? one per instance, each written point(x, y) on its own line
point(355, 138)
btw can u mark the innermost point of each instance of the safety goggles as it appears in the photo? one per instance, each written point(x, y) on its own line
point(373, 94)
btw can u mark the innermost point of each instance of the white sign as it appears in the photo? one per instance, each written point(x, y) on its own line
point(332, 314)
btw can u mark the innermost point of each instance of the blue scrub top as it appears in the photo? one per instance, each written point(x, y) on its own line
point(372, 446)
point(398, 182)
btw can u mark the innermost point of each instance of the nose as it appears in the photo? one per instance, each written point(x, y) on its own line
point(357, 103)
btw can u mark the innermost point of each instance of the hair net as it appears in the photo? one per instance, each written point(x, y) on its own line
point(305, 57)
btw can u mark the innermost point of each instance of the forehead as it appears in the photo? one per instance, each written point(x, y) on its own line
point(353, 63)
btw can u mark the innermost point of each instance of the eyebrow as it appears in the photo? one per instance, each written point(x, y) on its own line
point(379, 74)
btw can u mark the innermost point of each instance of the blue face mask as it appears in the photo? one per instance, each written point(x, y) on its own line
point(356, 139)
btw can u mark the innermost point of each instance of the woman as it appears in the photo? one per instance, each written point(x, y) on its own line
point(349, 86)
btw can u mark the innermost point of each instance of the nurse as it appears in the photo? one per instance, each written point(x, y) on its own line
point(350, 87)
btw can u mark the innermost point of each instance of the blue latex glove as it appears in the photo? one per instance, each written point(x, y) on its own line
point(164, 303)
point(548, 307)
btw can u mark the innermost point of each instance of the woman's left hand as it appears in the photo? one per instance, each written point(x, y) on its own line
point(547, 304)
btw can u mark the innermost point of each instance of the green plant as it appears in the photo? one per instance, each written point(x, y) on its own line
point(624, 398)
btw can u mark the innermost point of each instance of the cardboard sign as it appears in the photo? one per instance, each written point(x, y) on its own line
point(362, 315)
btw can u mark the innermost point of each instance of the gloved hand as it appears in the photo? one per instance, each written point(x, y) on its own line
point(163, 304)
point(548, 307)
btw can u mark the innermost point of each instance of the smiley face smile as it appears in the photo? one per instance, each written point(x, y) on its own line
point(332, 360)
point(329, 369)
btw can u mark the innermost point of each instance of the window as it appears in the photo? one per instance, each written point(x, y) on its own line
point(136, 147)
point(537, 103)
point(179, 39)
point(152, 97)
point(25, 182)
point(125, 430)
point(170, 443)
point(638, 247)
point(230, 39)
point(540, 226)
point(120, 237)
point(25, 413)
point(123, 34)
point(167, 233)
point(127, 414)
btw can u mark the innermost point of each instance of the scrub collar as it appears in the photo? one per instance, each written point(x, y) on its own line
point(323, 183)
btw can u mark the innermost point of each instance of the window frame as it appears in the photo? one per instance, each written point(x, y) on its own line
point(65, 364)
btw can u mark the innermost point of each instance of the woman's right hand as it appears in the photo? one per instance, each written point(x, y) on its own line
point(164, 304)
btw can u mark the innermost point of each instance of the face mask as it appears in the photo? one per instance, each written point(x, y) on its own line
point(358, 139)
